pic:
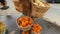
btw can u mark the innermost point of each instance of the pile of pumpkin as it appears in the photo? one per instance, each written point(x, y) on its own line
point(25, 23)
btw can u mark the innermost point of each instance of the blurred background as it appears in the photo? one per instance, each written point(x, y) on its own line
point(52, 15)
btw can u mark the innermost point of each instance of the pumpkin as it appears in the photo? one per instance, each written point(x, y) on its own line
point(36, 28)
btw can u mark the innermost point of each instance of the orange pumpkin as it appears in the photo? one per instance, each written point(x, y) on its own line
point(23, 32)
point(20, 19)
point(27, 32)
point(36, 28)
point(30, 22)
point(26, 22)
point(23, 24)
point(27, 18)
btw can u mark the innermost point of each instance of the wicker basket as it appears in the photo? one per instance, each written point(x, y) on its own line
point(22, 6)
point(24, 28)
point(29, 9)
point(39, 11)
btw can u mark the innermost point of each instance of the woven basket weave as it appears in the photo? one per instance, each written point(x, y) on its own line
point(39, 11)
point(23, 5)
point(30, 9)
